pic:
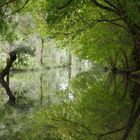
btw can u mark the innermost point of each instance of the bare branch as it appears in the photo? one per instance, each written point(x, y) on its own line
point(98, 4)
point(113, 131)
point(83, 20)
point(18, 10)
point(92, 24)
point(99, 135)
point(110, 4)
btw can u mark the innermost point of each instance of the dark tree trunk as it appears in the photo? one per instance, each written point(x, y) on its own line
point(135, 111)
point(5, 72)
point(7, 77)
point(132, 123)
point(8, 91)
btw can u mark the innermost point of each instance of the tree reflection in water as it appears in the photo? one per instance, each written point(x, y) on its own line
point(100, 110)
point(133, 88)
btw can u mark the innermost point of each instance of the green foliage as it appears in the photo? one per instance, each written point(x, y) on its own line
point(24, 50)
point(23, 102)
point(7, 20)
point(96, 109)
point(23, 54)
point(91, 31)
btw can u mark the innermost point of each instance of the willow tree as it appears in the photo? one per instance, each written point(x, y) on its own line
point(73, 17)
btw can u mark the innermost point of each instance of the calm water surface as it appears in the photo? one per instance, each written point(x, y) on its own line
point(70, 104)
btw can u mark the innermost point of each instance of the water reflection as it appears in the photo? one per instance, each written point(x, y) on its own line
point(58, 104)
point(41, 89)
point(132, 89)
point(135, 110)
point(5, 85)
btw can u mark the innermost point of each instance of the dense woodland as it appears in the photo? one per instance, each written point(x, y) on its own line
point(86, 50)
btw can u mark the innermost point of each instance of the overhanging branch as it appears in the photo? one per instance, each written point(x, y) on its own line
point(110, 4)
point(92, 24)
point(18, 10)
point(98, 4)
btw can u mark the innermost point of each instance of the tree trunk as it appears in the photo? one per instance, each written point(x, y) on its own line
point(4, 73)
point(41, 55)
point(8, 91)
point(7, 76)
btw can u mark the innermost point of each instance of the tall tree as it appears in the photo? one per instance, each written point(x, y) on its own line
point(72, 17)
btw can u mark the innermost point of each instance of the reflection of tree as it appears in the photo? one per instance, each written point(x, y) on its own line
point(41, 88)
point(79, 126)
point(122, 116)
point(8, 91)
point(42, 50)
point(69, 72)
point(110, 132)
point(126, 81)
point(135, 109)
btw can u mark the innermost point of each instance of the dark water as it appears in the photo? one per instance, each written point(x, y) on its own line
point(65, 104)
